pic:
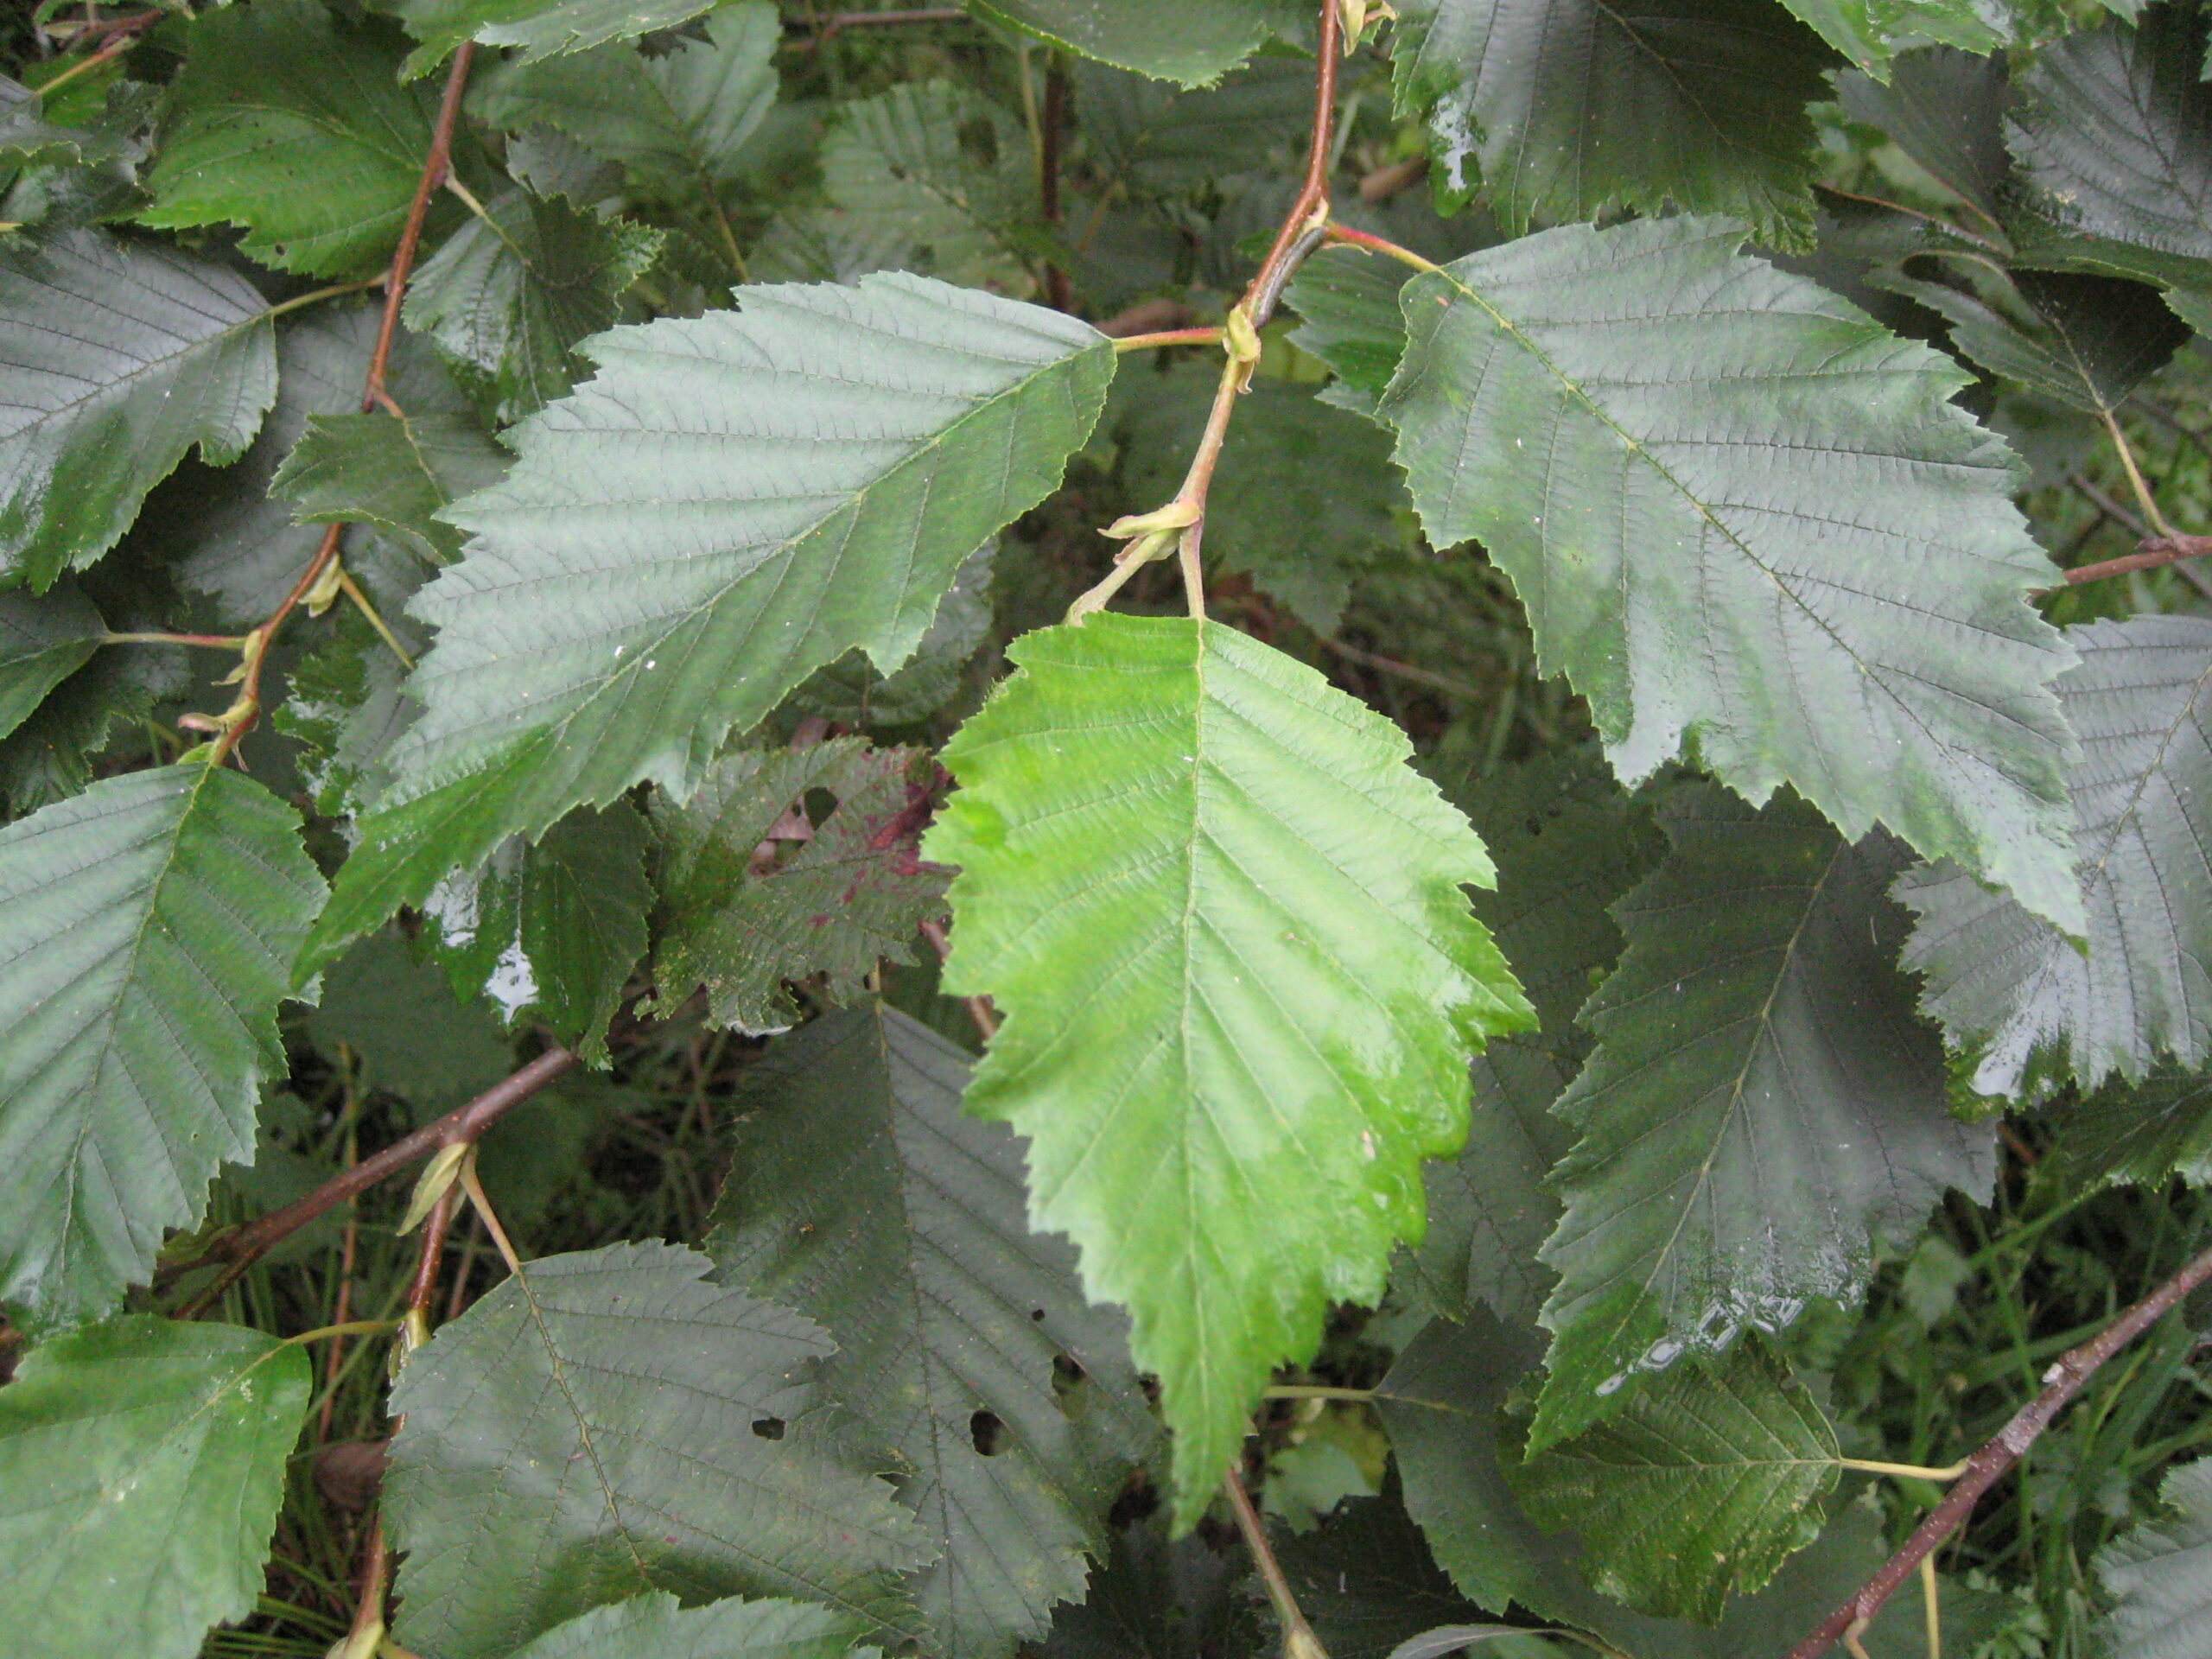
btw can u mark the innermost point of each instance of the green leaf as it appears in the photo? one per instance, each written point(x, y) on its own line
point(229, 537)
point(1302, 499)
point(2082, 341)
point(116, 357)
point(675, 551)
point(1698, 1489)
point(511, 296)
point(1225, 926)
point(904, 165)
point(605, 1423)
point(395, 473)
point(1159, 141)
point(144, 1463)
point(2022, 1000)
point(1366, 1579)
point(861, 1195)
point(1945, 109)
point(43, 642)
point(1761, 1104)
point(1206, 39)
point(1869, 32)
point(852, 691)
point(2112, 130)
point(145, 928)
point(676, 123)
point(832, 898)
point(402, 1030)
point(2157, 1574)
point(655, 1626)
point(51, 755)
point(1567, 845)
point(290, 124)
point(342, 704)
point(537, 28)
point(1349, 303)
point(1570, 109)
point(2142, 1134)
point(1609, 412)
point(554, 929)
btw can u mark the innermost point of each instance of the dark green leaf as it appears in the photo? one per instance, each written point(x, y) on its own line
point(1366, 1579)
point(145, 929)
point(1157, 141)
point(342, 704)
point(678, 124)
point(905, 165)
point(538, 29)
point(553, 929)
point(2144, 1134)
point(831, 898)
point(861, 1195)
point(606, 1423)
point(1349, 300)
point(1761, 1104)
point(1945, 109)
point(404, 1031)
point(395, 473)
point(43, 642)
point(51, 755)
point(116, 357)
point(1206, 37)
point(2157, 1574)
point(851, 689)
point(1154, 1598)
point(2113, 132)
point(673, 554)
point(1610, 412)
point(510, 297)
point(1698, 1489)
point(1302, 500)
point(2024, 1001)
point(1869, 31)
point(288, 122)
point(1567, 109)
point(143, 1462)
point(1225, 927)
point(655, 1626)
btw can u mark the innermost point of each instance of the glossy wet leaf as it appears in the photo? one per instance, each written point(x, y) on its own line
point(2023, 1003)
point(832, 898)
point(1209, 36)
point(43, 640)
point(142, 1464)
point(145, 929)
point(1869, 32)
point(672, 553)
point(861, 1195)
point(656, 1627)
point(116, 358)
point(289, 123)
point(1561, 110)
point(1762, 1103)
point(587, 1431)
point(536, 28)
point(1225, 926)
point(1607, 411)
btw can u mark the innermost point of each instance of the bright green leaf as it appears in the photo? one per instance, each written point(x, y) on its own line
point(288, 122)
point(1225, 926)
point(142, 1463)
point(116, 357)
point(395, 473)
point(678, 124)
point(2159, 1575)
point(673, 553)
point(510, 297)
point(538, 29)
point(1205, 38)
point(43, 642)
point(655, 1626)
point(1828, 591)
point(1698, 1489)
point(1761, 1104)
point(1566, 109)
point(862, 1196)
point(837, 897)
point(606, 1423)
point(145, 929)
point(2023, 1000)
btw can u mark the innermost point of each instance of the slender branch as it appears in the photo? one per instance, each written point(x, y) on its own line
point(1168, 337)
point(242, 1249)
point(1314, 1391)
point(1051, 120)
point(1986, 1467)
point(2154, 552)
point(239, 718)
point(1346, 237)
point(1299, 1641)
point(367, 1632)
point(215, 641)
point(1313, 191)
point(2142, 496)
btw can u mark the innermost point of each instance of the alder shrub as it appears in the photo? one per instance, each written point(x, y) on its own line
point(1100, 829)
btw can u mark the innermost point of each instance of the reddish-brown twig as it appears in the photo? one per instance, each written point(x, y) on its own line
point(2150, 554)
point(242, 1249)
point(240, 719)
point(1983, 1470)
